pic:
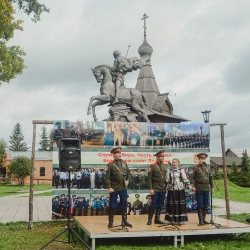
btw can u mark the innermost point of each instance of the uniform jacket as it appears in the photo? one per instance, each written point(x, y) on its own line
point(200, 178)
point(157, 177)
point(114, 175)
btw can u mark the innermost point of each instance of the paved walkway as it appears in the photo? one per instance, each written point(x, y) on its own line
point(16, 208)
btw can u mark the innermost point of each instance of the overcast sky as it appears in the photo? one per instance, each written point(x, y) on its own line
point(201, 53)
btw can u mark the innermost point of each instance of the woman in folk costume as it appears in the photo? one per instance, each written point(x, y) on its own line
point(176, 198)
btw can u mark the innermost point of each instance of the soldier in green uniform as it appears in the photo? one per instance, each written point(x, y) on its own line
point(200, 184)
point(137, 204)
point(117, 179)
point(157, 187)
point(143, 180)
point(135, 179)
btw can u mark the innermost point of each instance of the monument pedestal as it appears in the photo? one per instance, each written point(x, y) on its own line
point(122, 113)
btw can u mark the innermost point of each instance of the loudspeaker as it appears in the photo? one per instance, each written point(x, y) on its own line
point(69, 154)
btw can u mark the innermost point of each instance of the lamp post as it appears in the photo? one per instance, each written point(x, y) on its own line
point(206, 115)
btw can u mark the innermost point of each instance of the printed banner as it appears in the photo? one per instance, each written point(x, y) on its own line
point(140, 141)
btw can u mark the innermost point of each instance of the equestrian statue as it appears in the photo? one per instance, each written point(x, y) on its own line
point(127, 104)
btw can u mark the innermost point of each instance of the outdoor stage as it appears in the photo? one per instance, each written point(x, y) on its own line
point(95, 227)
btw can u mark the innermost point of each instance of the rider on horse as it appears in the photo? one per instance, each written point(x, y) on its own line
point(122, 65)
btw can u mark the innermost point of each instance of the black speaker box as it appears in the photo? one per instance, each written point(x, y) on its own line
point(69, 154)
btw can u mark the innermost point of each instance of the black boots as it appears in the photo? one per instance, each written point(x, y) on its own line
point(124, 219)
point(157, 216)
point(200, 216)
point(150, 215)
point(204, 210)
point(111, 217)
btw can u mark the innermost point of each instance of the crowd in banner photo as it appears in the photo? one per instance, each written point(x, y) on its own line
point(145, 135)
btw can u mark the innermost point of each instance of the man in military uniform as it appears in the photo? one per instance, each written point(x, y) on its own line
point(137, 204)
point(117, 179)
point(97, 206)
point(148, 203)
point(143, 180)
point(56, 207)
point(134, 137)
point(109, 138)
point(157, 187)
point(200, 184)
point(58, 134)
point(80, 206)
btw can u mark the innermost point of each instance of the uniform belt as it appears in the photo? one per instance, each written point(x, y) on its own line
point(202, 182)
point(118, 181)
point(159, 181)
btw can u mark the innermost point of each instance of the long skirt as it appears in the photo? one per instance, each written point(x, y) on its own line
point(176, 207)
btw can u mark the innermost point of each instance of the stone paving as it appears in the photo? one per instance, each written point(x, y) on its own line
point(16, 208)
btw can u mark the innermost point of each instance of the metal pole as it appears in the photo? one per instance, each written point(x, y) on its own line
point(30, 224)
point(34, 122)
point(225, 171)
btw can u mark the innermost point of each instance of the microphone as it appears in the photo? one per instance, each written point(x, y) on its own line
point(210, 175)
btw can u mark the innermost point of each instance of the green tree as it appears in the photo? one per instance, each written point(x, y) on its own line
point(20, 168)
point(51, 139)
point(217, 175)
point(234, 167)
point(3, 145)
point(11, 57)
point(44, 140)
point(245, 163)
point(16, 139)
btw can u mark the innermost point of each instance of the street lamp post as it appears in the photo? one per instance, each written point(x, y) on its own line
point(206, 115)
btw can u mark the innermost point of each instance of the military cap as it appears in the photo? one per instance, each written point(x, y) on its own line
point(201, 155)
point(137, 195)
point(116, 150)
point(58, 123)
point(160, 153)
point(142, 170)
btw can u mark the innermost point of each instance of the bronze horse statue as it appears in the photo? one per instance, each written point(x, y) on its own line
point(129, 96)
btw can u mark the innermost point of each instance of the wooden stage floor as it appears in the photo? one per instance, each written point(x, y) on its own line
point(97, 227)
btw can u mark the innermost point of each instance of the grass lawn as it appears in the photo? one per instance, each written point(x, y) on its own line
point(15, 236)
point(6, 190)
point(49, 193)
point(235, 192)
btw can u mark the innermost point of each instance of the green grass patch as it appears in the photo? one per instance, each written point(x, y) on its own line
point(15, 236)
point(49, 193)
point(235, 192)
point(216, 207)
point(238, 217)
point(6, 190)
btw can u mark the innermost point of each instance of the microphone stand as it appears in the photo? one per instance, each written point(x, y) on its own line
point(122, 226)
point(173, 202)
point(68, 229)
point(211, 199)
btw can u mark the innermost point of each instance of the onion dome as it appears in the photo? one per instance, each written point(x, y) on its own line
point(145, 49)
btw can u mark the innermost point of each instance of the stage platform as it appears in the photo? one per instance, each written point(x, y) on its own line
point(95, 227)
